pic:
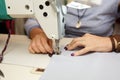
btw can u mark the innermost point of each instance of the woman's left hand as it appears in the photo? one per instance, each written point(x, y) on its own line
point(90, 43)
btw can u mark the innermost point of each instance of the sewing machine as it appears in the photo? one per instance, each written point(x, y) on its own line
point(49, 13)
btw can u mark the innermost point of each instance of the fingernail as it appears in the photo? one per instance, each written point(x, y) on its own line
point(72, 54)
point(65, 48)
point(53, 52)
point(50, 55)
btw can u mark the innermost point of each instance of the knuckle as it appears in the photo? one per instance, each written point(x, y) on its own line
point(32, 44)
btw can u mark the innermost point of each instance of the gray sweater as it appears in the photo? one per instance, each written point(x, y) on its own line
point(98, 20)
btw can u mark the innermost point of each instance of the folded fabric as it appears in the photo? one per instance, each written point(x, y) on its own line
point(95, 66)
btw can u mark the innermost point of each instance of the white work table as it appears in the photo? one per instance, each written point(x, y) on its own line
point(18, 62)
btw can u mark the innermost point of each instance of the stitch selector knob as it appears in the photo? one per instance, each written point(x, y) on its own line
point(45, 14)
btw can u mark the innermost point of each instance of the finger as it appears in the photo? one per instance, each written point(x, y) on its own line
point(75, 45)
point(81, 52)
point(79, 39)
point(39, 45)
point(31, 50)
point(47, 46)
point(51, 45)
point(50, 42)
point(34, 47)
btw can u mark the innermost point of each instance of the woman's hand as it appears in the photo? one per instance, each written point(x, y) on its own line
point(40, 43)
point(90, 43)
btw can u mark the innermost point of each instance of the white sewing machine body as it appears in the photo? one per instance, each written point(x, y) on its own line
point(48, 13)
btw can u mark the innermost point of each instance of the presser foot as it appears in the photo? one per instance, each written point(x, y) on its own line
point(57, 48)
point(57, 51)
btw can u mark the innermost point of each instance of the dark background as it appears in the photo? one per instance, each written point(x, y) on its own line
point(3, 28)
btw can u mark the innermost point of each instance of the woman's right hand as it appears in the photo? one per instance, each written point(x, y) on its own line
point(40, 43)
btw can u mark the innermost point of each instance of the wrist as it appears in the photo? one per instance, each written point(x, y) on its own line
point(36, 31)
point(107, 45)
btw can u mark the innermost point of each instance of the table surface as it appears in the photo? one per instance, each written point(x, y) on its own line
point(13, 71)
point(18, 62)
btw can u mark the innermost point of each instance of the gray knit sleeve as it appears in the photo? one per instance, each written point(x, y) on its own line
point(30, 24)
